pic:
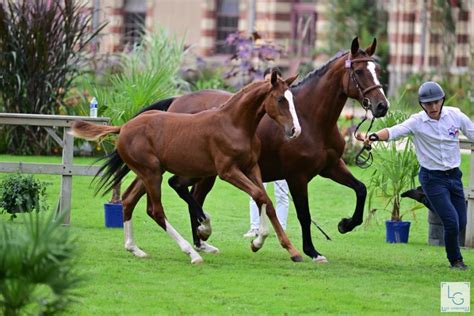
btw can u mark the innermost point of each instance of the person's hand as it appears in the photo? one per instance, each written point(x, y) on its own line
point(369, 140)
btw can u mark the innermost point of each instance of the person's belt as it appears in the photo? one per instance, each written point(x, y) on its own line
point(447, 172)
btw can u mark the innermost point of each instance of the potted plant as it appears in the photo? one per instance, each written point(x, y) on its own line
point(22, 193)
point(395, 171)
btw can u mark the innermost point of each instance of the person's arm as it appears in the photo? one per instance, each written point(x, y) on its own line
point(395, 132)
point(381, 135)
point(467, 127)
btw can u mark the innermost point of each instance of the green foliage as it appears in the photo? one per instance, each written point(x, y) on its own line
point(458, 90)
point(364, 18)
point(395, 170)
point(149, 72)
point(40, 54)
point(22, 193)
point(37, 267)
point(210, 79)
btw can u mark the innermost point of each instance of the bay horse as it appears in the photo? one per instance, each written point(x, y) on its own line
point(320, 98)
point(220, 141)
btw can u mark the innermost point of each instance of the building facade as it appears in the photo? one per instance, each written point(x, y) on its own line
point(418, 40)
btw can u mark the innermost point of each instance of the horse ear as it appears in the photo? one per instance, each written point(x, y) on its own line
point(290, 80)
point(355, 46)
point(274, 77)
point(371, 49)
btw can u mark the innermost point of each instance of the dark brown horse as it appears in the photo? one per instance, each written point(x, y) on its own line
point(194, 146)
point(320, 97)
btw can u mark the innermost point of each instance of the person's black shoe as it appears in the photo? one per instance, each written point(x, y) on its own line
point(459, 265)
point(416, 194)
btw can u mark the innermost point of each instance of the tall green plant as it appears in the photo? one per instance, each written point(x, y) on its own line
point(395, 170)
point(149, 72)
point(40, 54)
point(37, 266)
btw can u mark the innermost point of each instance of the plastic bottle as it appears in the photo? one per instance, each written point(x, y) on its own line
point(93, 107)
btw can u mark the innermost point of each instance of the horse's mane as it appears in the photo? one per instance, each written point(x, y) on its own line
point(321, 70)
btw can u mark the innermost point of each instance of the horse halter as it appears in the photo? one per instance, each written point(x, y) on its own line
point(348, 65)
point(363, 158)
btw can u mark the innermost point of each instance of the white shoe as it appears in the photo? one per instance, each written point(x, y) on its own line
point(253, 232)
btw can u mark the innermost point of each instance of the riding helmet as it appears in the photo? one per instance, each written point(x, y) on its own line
point(430, 91)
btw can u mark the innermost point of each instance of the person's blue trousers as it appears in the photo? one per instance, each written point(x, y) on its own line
point(445, 192)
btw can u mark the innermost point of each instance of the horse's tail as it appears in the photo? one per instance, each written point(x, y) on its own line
point(89, 131)
point(162, 105)
point(111, 172)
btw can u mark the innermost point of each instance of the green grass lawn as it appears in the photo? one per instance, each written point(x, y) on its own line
point(365, 275)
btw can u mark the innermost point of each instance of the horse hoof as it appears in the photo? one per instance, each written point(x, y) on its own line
point(253, 247)
point(320, 259)
point(297, 258)
point(343, 225)
point(198, 260)
point(137, 252)
point(206, 248)
point(204, 232)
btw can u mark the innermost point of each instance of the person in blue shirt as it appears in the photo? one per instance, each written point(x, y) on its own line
point(435, 132)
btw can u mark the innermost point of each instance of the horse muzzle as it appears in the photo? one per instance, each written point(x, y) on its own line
point(293, 132)
point(378, 110)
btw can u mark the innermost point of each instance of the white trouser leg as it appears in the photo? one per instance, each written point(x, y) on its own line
point(263, 229)
point(281, 201)
point(254, 214)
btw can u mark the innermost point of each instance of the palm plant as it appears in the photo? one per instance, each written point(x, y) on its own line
point(149, 72)
point(37, 266)
point(395, 170)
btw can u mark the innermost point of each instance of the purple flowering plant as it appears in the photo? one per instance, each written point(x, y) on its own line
point(252, 56)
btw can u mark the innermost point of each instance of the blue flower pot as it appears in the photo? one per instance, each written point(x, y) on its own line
point(113, 215)
point(397, 232)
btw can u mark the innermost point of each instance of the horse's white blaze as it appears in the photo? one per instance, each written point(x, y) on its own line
point(183, 244)
point(262, 229)
point(296, 124)
point(129, 242)
point(371, 68)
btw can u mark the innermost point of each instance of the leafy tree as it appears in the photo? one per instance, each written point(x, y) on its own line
point(40, 54)
point(363, 18)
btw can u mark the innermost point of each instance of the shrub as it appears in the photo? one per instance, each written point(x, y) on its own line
point(37, 275)
point(148, 72)
point(22, 193)
point(253, 55)
point(40, 54)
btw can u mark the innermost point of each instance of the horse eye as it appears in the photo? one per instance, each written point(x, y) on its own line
point(280, 99)
point(358, 72)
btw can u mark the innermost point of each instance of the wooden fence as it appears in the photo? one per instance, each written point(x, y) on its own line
point(66, 169)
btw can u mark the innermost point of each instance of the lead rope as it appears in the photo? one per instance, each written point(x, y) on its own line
point(364, 158)
point(312, 221)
